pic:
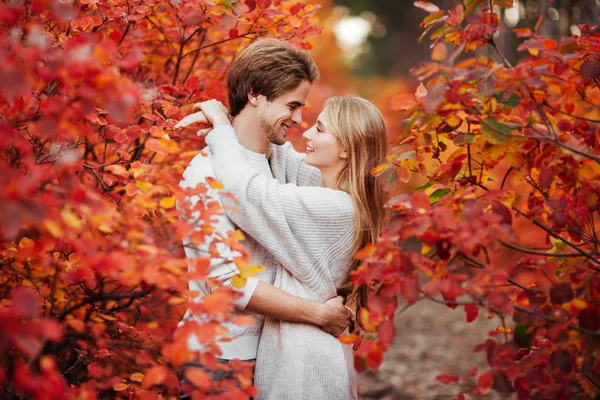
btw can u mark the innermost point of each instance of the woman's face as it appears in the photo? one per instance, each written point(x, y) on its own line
point(322, 147)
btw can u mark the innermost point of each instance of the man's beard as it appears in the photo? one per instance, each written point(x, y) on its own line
point(270, 132)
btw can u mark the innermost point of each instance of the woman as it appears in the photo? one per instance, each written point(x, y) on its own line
point(314, 233)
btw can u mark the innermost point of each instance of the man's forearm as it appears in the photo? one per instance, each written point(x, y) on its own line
point(269, 301)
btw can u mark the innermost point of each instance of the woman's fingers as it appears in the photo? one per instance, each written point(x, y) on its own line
point(203, 132)
point(196, 118)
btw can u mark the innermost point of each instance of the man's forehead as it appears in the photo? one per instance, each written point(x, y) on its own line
point(297, 95)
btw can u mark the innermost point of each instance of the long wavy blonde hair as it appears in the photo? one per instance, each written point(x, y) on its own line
point(360, 129)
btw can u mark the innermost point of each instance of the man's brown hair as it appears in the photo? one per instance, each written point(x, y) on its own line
point(270, 67)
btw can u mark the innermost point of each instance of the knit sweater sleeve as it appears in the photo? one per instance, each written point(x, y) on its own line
point(296, 224)
point(295, 170)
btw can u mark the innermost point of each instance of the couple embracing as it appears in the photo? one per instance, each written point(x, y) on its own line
point(304, 215)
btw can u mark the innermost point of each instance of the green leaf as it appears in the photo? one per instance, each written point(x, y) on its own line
point(437, 195)
point(423, 187)
point(522, 336)
point(227, 4)
point(512, 101)
point(470, 6)
point(464, 138)
point(494, 131)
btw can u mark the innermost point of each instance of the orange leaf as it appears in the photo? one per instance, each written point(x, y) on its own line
point(402, 102)
point(120, 387)
point(198, 378)
point(426, 6)
point(243, 320)
point(155, 376)
point(440, 52)
point(549, 44)
point(137, 377)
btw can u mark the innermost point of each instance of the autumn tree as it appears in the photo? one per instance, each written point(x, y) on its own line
point(507, 219)
point(93, 278)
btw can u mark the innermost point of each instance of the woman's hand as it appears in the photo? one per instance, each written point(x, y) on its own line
point(213, 112)
point(216, 114)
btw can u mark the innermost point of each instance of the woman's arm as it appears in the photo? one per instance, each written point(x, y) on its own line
point(288, 165)
point(296, 224)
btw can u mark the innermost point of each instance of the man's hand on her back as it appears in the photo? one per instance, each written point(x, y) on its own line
point(335, 316)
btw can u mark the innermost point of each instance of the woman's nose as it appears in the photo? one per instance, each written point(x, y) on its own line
point(306, 134)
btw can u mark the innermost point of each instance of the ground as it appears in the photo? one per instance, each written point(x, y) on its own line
point(430, 339)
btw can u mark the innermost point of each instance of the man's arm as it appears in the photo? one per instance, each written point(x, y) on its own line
point(333, 317)
point(256, 296)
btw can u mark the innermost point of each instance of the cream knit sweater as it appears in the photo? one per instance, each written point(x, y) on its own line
point(309, 230)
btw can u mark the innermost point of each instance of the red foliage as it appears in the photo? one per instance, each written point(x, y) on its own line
point(94, 279)
point(508, 219)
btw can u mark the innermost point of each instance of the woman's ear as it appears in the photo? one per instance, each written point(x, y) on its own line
point(344, 154)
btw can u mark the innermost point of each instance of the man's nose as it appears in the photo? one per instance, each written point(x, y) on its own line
point(297, 116)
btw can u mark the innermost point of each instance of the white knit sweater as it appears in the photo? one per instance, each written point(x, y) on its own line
point(310, 231)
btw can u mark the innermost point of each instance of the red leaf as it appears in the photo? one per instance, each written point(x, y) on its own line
point(251, 4)
point(447, 379)
point(427, 6)
point(589, 319)
point(385, 333)
point(52, 330)
point(472, 311)
point(561, 293)
point(485, 382)
point(409, 288)
point(523, 32)
point(297, 7)
point(233, 33)
point(546, 177)
point(25, 302)
point(590, 69)
point(263, 3)
point(374, 359)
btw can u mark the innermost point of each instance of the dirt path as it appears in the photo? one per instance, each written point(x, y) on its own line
point(431, 339)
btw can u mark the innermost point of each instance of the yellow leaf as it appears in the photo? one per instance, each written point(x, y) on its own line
point(172, 269)
point(137, 377)
point(167, 202)
point(152, 325)
point(105, 228)
point(26, 242)
point(120, 387)
point(77, 325)
point(237, 235)
point(238, 282)
point(425, 249)
point(579, 304)
point(174, 301)
point(421, 92)
point(379, 169)
point(53, 228)
point(71, 219)
point(107, 317)
point(143, 186)
point(213, 183)
point(247, 270)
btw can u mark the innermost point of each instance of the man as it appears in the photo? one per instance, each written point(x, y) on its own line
point(268, 83)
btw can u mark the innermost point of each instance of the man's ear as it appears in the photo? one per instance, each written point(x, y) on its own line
point(253, 98)
point(344, 154)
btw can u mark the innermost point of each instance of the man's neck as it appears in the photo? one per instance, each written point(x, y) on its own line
point(249, 133)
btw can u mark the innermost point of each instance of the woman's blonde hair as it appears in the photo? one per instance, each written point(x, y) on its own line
point(360, 129)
